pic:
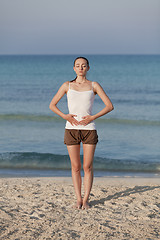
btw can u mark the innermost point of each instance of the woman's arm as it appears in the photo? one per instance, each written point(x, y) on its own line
point(53, 105)
point(108, 105)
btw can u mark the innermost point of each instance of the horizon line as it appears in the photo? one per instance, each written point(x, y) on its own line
point(73, 54)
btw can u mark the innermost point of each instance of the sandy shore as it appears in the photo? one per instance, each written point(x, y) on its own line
point(41, 208)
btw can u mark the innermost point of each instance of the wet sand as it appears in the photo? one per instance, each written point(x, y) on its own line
point(42, 208)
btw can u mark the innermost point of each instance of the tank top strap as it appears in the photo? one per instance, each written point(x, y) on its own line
point(92, 85)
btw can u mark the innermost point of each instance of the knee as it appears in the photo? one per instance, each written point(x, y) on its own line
point(76, 168)
point(88, 168)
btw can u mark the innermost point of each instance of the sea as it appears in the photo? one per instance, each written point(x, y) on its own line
point(31, 135)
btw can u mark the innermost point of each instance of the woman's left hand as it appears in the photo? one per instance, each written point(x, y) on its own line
point(86, 120)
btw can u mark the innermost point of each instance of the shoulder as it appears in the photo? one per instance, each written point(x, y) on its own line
point(96, 86)
point(65, 86)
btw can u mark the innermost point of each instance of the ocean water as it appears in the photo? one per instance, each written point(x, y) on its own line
point(31, 136)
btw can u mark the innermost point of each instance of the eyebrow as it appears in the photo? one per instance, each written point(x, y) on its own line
point(82, 64)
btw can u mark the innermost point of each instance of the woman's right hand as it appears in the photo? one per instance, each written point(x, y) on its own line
point(70, 118)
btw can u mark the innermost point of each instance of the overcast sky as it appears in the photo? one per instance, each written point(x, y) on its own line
point(79, 26)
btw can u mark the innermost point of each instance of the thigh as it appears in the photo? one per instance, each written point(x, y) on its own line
point(89, 137)
point(88, 154)
point(72, 137)
point(74, 154)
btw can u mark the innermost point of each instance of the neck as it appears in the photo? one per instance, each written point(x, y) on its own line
point(81, 79)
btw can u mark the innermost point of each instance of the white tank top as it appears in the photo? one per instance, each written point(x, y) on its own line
point(80, 104)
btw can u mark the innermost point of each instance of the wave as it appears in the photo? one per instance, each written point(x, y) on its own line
point(47, 118)
point(49, 161)
point(29, 117)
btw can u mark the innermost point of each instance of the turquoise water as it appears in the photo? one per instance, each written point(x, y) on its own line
point(31, 136)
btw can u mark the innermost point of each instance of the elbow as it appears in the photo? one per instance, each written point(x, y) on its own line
point(51, 107)
point(111, 108)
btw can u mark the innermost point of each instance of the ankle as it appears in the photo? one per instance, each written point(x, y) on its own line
point(85, 199)
point(79, 200)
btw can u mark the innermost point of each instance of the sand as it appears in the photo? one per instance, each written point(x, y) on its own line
point(41, 208)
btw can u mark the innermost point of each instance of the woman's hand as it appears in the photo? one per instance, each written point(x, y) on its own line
point(70, 118)
point(86, 120)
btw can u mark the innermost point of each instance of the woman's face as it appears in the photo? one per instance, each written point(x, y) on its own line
point(81, 67)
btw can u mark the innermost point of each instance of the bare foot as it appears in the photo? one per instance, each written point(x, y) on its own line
point(78, 205)
point(86, 205)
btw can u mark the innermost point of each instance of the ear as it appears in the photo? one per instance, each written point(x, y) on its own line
point(74, 69)
point(88, 68)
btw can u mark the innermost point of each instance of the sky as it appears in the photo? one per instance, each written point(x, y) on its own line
point(79, 27)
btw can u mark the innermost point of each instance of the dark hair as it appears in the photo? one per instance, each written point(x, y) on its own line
point(82, 58)
point(75, 62)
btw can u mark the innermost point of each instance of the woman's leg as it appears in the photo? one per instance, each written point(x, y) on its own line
point(74, 154)
point(88, 155)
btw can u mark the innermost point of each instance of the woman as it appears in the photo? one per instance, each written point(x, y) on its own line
point(80, 126)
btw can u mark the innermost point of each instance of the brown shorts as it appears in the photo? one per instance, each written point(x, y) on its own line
point(75, 137)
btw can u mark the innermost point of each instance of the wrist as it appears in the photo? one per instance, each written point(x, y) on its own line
point(93, 117)
point(64, 116)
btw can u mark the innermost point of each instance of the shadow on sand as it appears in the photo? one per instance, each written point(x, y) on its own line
point(127, 192)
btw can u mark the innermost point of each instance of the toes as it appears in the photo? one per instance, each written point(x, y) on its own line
point(77, 206)
point(86, 206)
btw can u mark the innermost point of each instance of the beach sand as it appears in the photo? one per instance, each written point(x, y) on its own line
point(41, 208)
